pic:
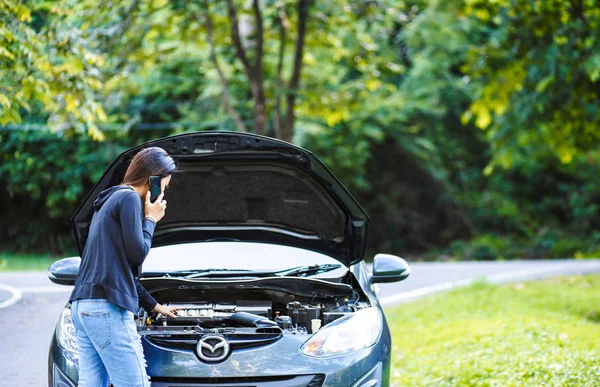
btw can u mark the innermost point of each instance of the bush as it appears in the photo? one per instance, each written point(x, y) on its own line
point(44, 177)
point(482, 248)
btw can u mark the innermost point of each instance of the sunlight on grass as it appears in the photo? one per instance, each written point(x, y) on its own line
point(29, 262)
point(543, 333)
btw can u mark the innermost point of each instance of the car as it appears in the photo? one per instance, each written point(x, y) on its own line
point(263, 249)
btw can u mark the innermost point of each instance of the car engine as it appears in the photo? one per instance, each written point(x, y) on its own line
point(292, 318)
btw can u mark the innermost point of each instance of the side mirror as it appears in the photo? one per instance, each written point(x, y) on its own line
point(64, 271)
point(389, 268)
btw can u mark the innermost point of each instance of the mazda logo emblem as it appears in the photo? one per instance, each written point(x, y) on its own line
point(212, 347)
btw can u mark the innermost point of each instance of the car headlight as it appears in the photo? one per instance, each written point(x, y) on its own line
point(65, 332)
point(356, 331)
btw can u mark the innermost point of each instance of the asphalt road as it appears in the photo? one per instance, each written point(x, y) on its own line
point(30, 304)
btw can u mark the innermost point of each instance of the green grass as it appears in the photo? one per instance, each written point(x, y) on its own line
point(16, 261)
point(544, 333)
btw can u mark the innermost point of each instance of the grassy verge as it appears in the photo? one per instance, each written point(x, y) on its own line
point(544, 333)
point(15, 261)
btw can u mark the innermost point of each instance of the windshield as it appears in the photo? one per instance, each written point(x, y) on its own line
point(235, 256)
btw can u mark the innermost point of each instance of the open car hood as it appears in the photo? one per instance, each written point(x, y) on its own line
point(239, 186)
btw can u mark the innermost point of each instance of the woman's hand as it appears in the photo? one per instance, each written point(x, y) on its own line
point(166, 310)
point(157, 209)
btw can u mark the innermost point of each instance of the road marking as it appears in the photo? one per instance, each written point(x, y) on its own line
point(17, 293)
point(426, 290)
point(14, 298)
point(510, 275)
point(523, 273)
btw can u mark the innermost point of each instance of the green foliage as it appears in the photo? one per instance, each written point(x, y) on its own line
point(41, 193)
point(393, 97)
point(481, 248)
point(526, 334)
point(548, 243)
point(47, 68)
point(536, 77)
point(544, 209)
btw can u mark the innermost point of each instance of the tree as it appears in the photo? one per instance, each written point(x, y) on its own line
point(282, 123)
point(136, 37)
point(536, 77)
point(46, 68)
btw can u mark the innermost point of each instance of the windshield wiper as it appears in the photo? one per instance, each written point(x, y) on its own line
point(199, 272)
point(299, 271)
point(305, 271)
point(217, 272)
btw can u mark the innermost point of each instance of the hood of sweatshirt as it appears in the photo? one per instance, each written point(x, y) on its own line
point(104, 195)
point(243, 187)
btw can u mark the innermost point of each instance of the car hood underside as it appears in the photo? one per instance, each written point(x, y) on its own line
point(243, 187)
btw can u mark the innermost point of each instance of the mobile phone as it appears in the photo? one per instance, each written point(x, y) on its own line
point(155, 188)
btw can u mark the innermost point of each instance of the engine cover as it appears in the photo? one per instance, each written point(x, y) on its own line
point(203, 312)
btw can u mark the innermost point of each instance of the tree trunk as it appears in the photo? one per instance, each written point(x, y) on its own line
point(253, 71)
point(290, 118)
point(213, 57)
point(260, 113)
point(283, 26)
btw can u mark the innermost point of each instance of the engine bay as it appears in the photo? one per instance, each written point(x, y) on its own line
point(246, 312)
point(294, 317)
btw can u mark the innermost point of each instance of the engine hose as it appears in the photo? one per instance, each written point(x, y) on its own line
point(251, 320)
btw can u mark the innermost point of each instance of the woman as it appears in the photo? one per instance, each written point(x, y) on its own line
point(107, 292)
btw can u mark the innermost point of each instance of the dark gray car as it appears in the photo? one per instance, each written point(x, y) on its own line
point(262, 249)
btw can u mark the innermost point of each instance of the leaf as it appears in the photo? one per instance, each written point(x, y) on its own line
point(5, 101)
point(544, 83)
point(24, 14)
point(6, 53)
point(484, 119)
point(95, 133)
point(373, 84)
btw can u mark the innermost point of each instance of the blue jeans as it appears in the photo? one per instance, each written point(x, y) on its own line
point(109, 345)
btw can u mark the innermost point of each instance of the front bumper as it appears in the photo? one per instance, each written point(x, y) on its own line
point(373, 378)
point(270, 361)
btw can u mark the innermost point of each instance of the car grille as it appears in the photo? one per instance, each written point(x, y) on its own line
point(258, 381)
point(241, 338)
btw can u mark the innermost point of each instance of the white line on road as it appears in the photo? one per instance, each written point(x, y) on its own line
point(510, 275)
point(17, 293)
point(524, 273)
point(14, 298)
point(389, 300)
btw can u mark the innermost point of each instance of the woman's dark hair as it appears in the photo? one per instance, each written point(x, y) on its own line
point(148, 162)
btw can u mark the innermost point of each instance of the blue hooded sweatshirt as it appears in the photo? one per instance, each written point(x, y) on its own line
point(119, 240)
